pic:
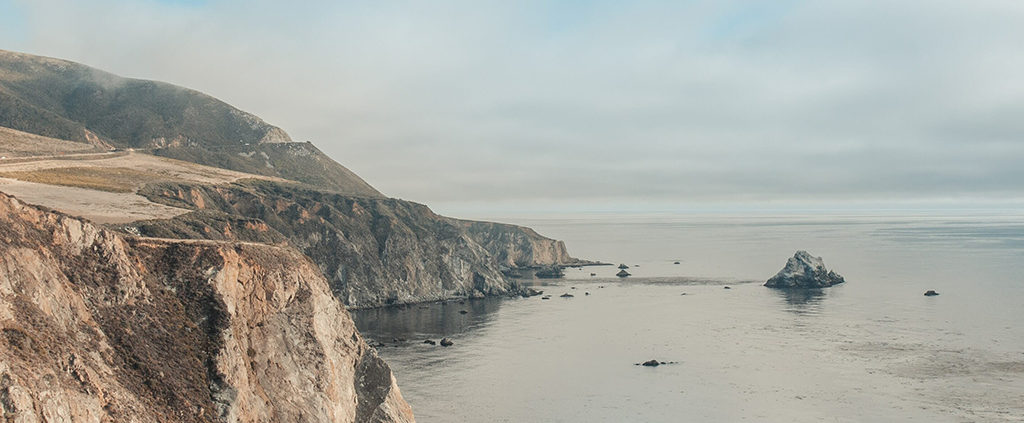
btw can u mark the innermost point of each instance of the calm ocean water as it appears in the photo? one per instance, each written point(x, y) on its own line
point(871, 350)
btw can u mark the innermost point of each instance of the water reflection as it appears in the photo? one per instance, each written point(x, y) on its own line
point(416, 322)
point(802, 301)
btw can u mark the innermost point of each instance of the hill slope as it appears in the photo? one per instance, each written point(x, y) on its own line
point(69, 101)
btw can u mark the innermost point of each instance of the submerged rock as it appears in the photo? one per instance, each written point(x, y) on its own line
point(463, 312)
point(623, 266)
point(566, 295)
point(622, 274)
point(430, 342)
point(445, 342)
point(804, 271)
point(930, 293)
point(530, 292)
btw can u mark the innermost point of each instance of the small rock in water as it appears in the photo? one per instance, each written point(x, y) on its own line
point(463, 312)
point(546, 297)
point(726, 287)
point(430, 342)
point(567, 295)
point(445, 342)
point(622, 274)
point(593, 274)
point(573, 287)
point(683, 293)
point(651, 363)
point(930, 293)
point(676, 262)
point(623, 266)
point(586, 293)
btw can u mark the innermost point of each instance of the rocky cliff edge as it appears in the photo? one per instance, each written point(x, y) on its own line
point(97, 326)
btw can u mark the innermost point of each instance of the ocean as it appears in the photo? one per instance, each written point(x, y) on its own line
point(874, 349)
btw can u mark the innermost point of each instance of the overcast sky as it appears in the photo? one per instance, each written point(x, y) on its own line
point(577, 105)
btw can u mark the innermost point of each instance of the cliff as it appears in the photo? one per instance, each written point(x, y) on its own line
point(97, 326)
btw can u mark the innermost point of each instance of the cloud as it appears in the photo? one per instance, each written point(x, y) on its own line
point(626, 102)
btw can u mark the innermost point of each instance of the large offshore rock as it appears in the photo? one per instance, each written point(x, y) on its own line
point(804, 271)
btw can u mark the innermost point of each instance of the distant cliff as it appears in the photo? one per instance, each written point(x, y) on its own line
point(373, 251)
point(517, 246)
point(96, 326)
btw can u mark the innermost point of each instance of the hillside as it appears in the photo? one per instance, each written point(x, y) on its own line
point(199, 169)
point(73, 102)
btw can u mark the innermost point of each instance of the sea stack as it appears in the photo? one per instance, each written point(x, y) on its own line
point(622, 274)
point(804, 271)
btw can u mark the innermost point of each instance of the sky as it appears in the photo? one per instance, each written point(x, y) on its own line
point(599, 105)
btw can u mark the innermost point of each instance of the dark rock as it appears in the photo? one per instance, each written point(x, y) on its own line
point(593, 274)
point(804, 271)
point(651, 363)
point(726, 287)
point(622, 274)
point(552, 272)
point(676, 262)
point(586, 293)
point(623, 266)
point(930, 293)
point(445, 342)
point(463, 312)
point(566, 295)
point(430, 342)
point(546, 297)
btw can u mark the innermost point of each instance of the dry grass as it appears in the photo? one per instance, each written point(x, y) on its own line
point(15, 143)
point(110, 179)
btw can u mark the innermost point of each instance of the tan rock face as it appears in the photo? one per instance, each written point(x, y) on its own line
point(99, 327)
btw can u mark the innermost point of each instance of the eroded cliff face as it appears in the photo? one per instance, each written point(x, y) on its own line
point(96, 326)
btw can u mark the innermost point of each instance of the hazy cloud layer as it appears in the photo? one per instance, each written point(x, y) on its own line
point(592, 103)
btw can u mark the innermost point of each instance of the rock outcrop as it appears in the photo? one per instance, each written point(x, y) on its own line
point(804, 271)
point(96, 326)
point(517, 246)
